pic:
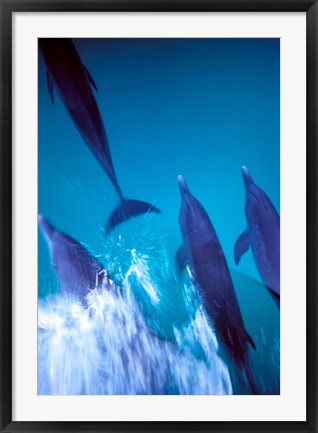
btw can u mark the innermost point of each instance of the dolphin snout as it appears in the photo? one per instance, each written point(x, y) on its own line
point(41, 219)
point(182, 185)
point(46, 227)
point(248, 180)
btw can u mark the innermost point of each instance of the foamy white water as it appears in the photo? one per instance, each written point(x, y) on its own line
point(104, 345)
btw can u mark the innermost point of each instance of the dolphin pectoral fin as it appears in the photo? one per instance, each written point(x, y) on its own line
point(50, 86)
point(128, 209)
point(250, 340)
point(90, 78)
point(275, 296)
point(241, 246)
point(181, 259)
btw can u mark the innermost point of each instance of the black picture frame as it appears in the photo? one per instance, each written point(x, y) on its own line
point(6, 11)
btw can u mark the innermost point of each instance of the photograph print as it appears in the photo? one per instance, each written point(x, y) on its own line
point(158, 216)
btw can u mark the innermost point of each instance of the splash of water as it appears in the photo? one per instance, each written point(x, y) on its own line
point(107, 346)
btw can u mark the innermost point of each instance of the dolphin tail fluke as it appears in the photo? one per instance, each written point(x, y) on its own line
point(128, 209)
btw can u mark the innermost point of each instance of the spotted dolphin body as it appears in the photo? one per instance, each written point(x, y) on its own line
point(77, 270)
point(202, 252)
point(262, 235)
point(73, 83)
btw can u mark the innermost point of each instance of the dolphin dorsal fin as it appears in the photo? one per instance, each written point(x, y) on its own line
point(181, 259)
point(90, 78)
point(241, 246)
point(50, 86)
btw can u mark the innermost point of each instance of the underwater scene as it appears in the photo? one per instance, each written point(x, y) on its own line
point(158, 214)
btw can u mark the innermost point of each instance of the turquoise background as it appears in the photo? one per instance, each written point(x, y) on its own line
point(197, 107)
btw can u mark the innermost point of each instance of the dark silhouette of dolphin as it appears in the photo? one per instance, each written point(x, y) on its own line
point(262, 235)
point(202, 251)
point(77, 270)
point(73, 83)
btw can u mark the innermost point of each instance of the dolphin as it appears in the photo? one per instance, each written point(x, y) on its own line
point(77, 270)
point(202, 252)
point(72, 81)
point(262, 235)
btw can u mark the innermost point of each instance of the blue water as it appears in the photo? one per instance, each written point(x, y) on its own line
point(197, 107)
